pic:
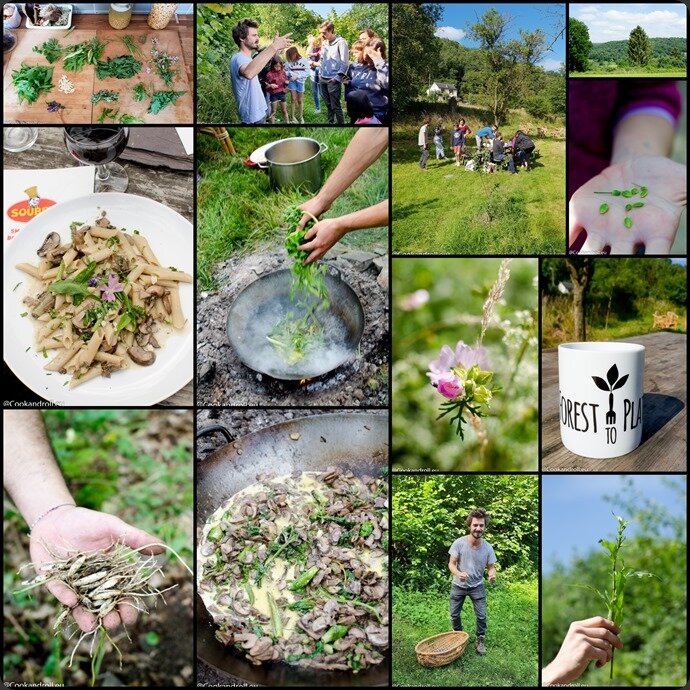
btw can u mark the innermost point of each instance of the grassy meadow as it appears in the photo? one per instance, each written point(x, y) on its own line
point(449, 210)
point(511, 638)
point(558, 324)
point(238, 211)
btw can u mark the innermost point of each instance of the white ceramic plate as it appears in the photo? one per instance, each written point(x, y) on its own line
point(171, 239)
point(259, 155)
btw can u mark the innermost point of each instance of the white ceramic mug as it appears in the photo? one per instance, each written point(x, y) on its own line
point(600, 397)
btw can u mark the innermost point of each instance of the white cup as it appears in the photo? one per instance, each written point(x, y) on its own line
point(600, 397)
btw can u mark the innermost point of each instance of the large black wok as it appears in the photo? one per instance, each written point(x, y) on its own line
point(258, 308)
point(356, 441)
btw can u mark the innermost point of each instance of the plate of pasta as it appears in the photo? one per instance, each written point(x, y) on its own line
point(99, 304)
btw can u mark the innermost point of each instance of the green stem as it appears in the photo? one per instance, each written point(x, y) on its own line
point(97, 658)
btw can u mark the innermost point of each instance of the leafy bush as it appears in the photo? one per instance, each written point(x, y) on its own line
point(429, 513)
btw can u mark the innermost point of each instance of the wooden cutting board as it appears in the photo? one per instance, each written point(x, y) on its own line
point(78, 107)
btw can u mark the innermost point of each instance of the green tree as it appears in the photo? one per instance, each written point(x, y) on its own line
point(369, 16)
point(639, 48)
point(579, 45)
point(452, 61)
point(415, 49)
point(505, 67)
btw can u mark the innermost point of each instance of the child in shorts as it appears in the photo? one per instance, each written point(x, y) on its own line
point(297, 70)
point(276, 85)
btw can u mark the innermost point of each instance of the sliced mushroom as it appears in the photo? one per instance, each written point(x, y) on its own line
point(143, 339)
point(55, 255)
point(262, 645)
point(52, 241)
point(167, 304)
point(153, 342)
point(45, 301)
point(141, 356)
point(243, 608)
point(319, 624)
point(153, 291)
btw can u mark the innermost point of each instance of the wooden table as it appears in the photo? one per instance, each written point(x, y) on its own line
point(172, 189)
point(664, 430)
point(177, 39)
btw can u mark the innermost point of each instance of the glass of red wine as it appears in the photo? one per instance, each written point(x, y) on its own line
point(100, 145)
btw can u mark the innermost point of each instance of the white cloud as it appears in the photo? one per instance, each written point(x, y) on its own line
point(450, 32)
point(551, 64)
point(611, 23)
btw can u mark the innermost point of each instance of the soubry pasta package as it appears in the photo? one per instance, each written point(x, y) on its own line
point(102, 302)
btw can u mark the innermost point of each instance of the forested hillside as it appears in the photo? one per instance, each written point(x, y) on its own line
point(618, 50)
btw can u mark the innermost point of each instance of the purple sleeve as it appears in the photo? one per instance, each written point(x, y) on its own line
point(653, 97)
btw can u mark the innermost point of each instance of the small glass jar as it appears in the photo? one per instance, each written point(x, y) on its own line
point(120, 14)
point(161, 13)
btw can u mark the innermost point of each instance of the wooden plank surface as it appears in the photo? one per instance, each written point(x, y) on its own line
point(664, 430)
point(78, 107)
point(172, 189)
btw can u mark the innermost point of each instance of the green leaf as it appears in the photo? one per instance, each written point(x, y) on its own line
point(70, 287)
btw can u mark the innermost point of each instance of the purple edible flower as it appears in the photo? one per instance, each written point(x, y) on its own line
point(55, 107)
point(464, 356)
point(450, 386)
point(108, 291)
point(94, 281)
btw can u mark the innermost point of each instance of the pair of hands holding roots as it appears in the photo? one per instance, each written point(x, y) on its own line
point(58, 527)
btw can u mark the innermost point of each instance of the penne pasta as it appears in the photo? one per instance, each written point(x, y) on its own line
point(99, 309)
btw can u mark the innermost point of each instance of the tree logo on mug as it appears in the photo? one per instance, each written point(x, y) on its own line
point(614, 383)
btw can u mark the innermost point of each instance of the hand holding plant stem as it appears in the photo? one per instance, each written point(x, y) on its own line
point(613, 599)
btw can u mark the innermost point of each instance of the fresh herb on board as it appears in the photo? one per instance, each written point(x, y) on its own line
point(121, 67)
point(51, 50)
point(132, 47)
point(81, 54)
point(162, 99)
point(140, 93)
point(166, 65)
point(104, 95)
point(31, 82)
point(125, 119)
point(113, 114)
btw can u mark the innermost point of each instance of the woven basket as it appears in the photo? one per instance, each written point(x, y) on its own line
point(442, 649)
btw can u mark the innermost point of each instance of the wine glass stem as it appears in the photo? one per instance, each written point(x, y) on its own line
point(102, 173)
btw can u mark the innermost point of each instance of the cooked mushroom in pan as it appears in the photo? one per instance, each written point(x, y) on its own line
point(295, 569)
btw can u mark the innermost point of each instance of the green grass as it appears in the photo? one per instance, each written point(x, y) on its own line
point(448, 210)
point(238, 211)
point(511, 639)
point(216, 100)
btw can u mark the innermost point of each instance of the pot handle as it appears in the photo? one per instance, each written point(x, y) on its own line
point(263, 167)
point(323, 147)
point(212, 429)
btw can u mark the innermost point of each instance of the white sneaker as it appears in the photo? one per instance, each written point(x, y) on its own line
point(317, 110)
point(301, 120)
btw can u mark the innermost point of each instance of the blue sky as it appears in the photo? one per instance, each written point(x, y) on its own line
point(608, 22)
point(456, 18)
point(324, 8)
point(575, 516)
point(682, 262)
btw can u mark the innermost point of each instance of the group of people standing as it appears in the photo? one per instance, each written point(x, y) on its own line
point(261, 80)
point(517, 150)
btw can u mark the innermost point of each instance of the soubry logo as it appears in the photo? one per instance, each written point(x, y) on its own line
point(26, 210)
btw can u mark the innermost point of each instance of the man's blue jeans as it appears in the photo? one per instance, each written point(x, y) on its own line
point(457, 599)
